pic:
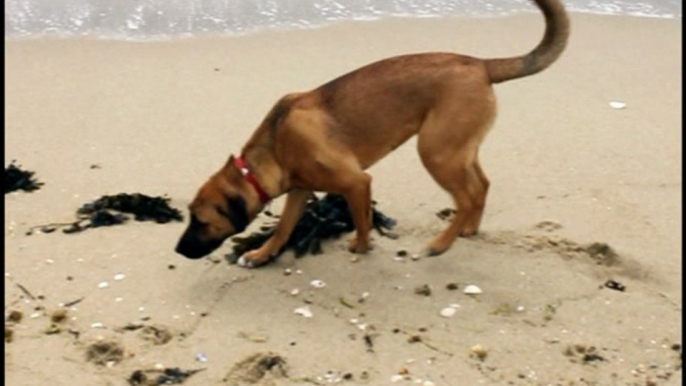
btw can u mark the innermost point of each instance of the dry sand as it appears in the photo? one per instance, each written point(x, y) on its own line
point(160, 117)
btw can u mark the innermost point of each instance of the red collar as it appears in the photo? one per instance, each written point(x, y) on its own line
point(243, 167)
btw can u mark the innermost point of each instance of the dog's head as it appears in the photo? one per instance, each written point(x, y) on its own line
point(224, 206)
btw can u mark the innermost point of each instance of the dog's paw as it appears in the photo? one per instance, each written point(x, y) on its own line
point(245, 263)
point(355, 246)
point(253, 259)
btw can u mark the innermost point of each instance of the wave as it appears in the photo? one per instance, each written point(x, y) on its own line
point(155, 19)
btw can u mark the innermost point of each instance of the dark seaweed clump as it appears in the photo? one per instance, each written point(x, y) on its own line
point(109, 210)
point(18, 179)
point(324, 218)
point(168, 376)
point(144, 208)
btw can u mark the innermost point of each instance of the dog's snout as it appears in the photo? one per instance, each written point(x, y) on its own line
point(192, 247)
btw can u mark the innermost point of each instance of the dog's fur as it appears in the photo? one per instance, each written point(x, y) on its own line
point(324, 139)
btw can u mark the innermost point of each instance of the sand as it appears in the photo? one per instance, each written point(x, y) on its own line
point(567, 170)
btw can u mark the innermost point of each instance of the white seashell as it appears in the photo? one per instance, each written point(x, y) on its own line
point(118, 299)
point(617, 104)
point(97, 325)
point(35, 315)
point(317, 284)
point(200, 357)
point(119, 276)
point(103, 284)
point(295, 292)
point(448, 312)
point(354, 321)
point(303, 311)
point(159, 366)
point(365, 295)
point(397, 378)
point(49, 261)
point(472, 290)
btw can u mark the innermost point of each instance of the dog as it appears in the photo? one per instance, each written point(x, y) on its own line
point(325, 139)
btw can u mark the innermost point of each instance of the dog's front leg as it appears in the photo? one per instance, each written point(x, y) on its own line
point(295, 205)
point(359, 197)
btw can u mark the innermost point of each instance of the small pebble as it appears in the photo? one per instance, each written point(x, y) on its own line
point(448, 312)
point(472, 290)
point(617, 105)
point(119, 276)
point(317, 284)
point(397, 378)
point(295, 292)
point(303, 311)
point(103, 284)
point(97, 325)
point(414, 339)
point(401, 253)
point(59, 315)
point(479, 351)
point(200, 357)
point(423, 290)
point(15, 316)
point(287, 272)
point(451, 286)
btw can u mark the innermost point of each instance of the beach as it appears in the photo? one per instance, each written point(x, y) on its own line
point(581, 193)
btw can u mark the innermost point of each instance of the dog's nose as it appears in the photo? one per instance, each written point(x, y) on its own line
point(190, 249)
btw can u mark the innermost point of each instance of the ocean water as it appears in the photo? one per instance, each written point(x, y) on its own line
point(163, 19)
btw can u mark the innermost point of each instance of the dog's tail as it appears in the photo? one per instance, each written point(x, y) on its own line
point(547, 51)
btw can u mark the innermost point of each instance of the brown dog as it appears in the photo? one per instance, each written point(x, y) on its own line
point(324, 139)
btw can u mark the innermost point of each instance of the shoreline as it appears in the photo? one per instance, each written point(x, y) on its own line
point(329, 23)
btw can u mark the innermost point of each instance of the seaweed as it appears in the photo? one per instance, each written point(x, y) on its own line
point(324, 218)
point(18, 179)
point(167, 376)
point(109, 210)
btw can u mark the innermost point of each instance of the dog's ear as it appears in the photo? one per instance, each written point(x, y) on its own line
point(238, 213)
point(229, 166)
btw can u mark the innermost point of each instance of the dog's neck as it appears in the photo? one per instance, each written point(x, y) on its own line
point(265, 169)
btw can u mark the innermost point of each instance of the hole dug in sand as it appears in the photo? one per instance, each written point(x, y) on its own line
point(104, 351)
point(157, 335)
point(260, 367)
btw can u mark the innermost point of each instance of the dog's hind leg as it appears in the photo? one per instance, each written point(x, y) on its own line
point(451, 159)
